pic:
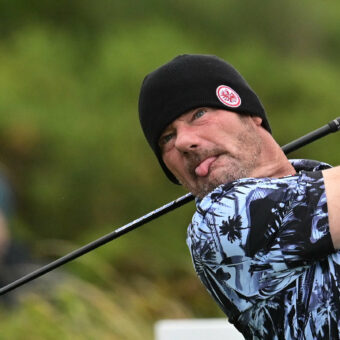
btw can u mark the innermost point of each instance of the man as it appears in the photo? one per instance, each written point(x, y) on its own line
point(264, 237)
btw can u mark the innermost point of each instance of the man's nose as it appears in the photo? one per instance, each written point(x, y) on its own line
point(187, 139)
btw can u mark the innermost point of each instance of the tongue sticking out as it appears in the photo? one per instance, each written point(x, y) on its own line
point(203, 168)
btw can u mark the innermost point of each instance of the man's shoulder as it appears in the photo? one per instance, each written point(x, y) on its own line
point(244, 190)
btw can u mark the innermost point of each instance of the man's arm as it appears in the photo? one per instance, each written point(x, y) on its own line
point(332, 185)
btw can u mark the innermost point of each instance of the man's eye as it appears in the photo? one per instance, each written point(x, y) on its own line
point(165, 139)
point(199, 113)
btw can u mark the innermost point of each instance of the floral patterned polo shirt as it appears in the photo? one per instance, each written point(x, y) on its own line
point(263, 250)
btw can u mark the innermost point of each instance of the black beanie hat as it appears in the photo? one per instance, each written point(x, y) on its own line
point(188, 82)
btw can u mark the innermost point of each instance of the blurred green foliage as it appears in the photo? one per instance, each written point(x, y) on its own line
point(70, 73)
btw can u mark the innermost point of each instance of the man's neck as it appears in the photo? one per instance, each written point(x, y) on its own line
point(273, 162)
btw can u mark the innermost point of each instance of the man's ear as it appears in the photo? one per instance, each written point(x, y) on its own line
point(257, 120)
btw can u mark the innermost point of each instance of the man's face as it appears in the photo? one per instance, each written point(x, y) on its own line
point(207, 147)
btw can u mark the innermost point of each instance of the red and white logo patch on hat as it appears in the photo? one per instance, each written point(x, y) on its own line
point(228, 96)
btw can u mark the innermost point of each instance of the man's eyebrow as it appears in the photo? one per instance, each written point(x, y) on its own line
point(170, 127)
point(163, 134)
point(166, 130)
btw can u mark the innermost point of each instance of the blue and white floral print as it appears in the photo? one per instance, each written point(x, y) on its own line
point(262, 248)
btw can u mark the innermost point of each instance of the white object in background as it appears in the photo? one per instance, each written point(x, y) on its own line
point(196, 329)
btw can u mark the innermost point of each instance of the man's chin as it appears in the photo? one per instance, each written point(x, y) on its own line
point(203, 187)
point(214, 179)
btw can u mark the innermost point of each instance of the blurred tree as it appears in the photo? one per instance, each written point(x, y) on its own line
point(69, 132)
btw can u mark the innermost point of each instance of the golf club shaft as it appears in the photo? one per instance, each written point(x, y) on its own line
point(332, 126)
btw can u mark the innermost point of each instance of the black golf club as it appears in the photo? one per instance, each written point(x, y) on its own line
point(332, 126)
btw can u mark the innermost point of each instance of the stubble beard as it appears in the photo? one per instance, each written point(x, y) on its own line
point(235, 167)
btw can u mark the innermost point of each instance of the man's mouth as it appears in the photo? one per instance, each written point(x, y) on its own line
point(202, 169)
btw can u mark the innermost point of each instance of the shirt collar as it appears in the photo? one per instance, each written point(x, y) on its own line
point(308, 165)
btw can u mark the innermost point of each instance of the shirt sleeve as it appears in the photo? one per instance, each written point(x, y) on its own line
point(257, 236)
point(292, 219)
